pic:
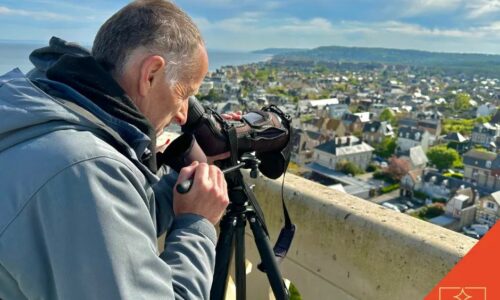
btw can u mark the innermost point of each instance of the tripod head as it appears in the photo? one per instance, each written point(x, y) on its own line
point(248, 161)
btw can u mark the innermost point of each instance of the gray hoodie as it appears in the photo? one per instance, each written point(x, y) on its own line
point(78, 219)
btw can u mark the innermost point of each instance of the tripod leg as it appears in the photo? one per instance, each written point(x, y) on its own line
point(239, 260)
point(223, 258)
point(268, 260)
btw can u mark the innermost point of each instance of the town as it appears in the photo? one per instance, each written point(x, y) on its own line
point(422, 143)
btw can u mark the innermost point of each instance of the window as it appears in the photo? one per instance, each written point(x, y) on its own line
point(488, 164)
point(490, 205)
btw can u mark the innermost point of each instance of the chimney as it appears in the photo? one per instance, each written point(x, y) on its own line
point(348, 141)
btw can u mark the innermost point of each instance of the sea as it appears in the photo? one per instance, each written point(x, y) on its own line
point(15, 55)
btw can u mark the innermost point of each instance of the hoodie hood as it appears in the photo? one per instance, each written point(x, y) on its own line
point(73, 66)
point(44, 58)
point(26, 112)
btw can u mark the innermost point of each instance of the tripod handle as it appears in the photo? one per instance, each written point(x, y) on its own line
point(185, 186)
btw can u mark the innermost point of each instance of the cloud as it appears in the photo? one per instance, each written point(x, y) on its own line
point(255, 31)
point(481, 8)
point(413, 29)
point(37, 15)
point(419, 7)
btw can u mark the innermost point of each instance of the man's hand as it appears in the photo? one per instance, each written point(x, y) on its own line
point(235, 116)
point(208, 195)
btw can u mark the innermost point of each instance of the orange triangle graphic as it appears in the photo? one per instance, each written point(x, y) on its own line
point(476, 276)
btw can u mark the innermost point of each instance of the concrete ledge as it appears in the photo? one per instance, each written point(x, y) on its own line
point(349, 248)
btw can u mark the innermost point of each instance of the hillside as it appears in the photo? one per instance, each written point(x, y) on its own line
point(458, 62)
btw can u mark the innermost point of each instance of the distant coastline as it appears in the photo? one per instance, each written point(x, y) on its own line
point(14, 54)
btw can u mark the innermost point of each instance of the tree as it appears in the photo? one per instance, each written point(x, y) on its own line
point(443, 157)
point(348, 167)
point(387, 115)
point(462, 101)
point(213, 96)
point(386, 148)
point(398, 168)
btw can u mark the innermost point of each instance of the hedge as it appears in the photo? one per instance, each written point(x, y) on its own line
point(389, 188)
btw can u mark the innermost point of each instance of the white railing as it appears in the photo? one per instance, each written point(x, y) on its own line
point(349, 248)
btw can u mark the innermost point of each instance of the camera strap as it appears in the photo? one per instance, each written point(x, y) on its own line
point(287, 232)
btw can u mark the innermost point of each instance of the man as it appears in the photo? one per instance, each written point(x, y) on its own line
point(81, 206)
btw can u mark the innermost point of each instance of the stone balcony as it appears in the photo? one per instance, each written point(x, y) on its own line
point(349, 248)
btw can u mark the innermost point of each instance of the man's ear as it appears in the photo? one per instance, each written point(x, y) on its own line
point(151, 71)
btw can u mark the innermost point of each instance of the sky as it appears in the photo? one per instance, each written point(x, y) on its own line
point(433, 25)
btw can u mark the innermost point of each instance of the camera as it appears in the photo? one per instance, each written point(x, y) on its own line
point(266, 132)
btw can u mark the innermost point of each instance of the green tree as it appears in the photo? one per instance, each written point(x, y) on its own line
point(348, 167)
point(462, 101)
point(388, 116)
point(443, 157)
point(386, 148)
point(213, 96)
point(341, 87)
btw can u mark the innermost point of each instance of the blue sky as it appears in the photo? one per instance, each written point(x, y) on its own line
point(435, 25)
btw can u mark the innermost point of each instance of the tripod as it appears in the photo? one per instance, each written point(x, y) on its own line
point(243, 208)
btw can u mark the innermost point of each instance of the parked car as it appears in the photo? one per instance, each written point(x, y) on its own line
point(391, 206)
point(402, 207)
point(470, 233)
point(481, 229)
point(409, 204)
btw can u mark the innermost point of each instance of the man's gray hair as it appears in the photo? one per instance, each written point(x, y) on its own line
point(156, 26)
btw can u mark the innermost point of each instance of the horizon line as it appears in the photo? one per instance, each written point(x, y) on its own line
point(89, 45)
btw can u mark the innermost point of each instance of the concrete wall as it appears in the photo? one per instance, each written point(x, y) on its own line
point(349, 248)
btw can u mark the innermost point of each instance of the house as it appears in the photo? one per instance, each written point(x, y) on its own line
point(429, 115)
point(347, 148)
point(485, 110)
point(482, 168)
point(411, 182)
point(365, 117)
point(336, 111)
point(496, 118)
point(488, 210)
point(352, 123)
point(459, 211)
point(485, 134)
point(374, 132)
point(457, 141)
point(438, 186)
point(331, 127)
point(431, 125)
point(409, 137)
point(205, 87)
point(303, 141)
point(457, 206)
point(318, 105)
point(228, 106)
point(416, 157)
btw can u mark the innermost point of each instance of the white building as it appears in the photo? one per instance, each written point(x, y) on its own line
point(409, 137)
point(347, 148)
point(488, 211)
point(485, 134)
point(486, 109)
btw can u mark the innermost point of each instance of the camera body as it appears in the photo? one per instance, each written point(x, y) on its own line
point(266, 132)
